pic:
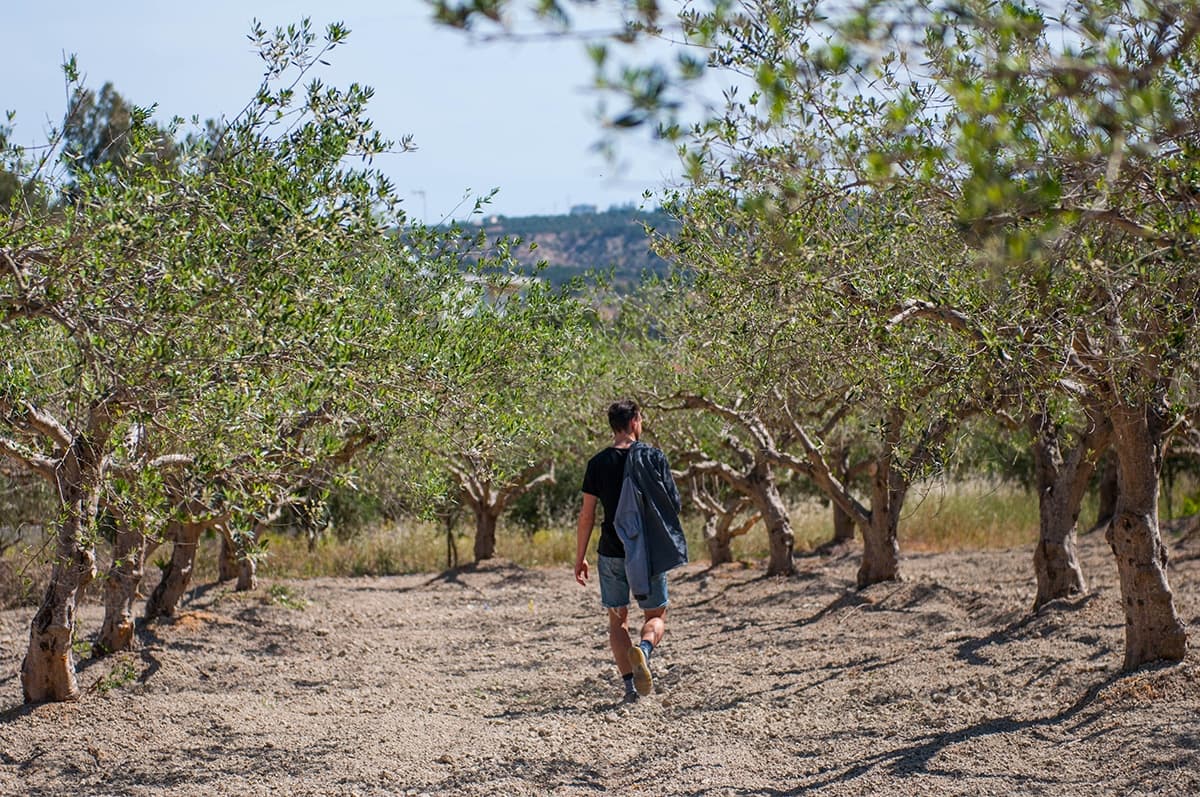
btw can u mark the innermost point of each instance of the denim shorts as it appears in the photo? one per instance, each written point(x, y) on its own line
point(614, 586)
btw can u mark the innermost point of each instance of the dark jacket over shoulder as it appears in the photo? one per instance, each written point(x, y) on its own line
point(647, 518)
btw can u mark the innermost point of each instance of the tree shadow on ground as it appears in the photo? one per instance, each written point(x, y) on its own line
point(735, 587)
point(915, 758)
point(17, 711)
point(969, 650)
point(851, 599)
point(510, 574)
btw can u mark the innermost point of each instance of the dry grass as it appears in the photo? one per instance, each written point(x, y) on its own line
point(412, 547)
point(939, 516)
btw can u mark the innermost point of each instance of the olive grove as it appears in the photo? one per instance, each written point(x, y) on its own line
point(962, 208)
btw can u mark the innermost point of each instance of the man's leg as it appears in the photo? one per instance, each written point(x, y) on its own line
point(621, 644)
point(654, 625)
point(618, 638)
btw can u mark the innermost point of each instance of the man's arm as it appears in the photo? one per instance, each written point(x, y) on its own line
point(583, 535)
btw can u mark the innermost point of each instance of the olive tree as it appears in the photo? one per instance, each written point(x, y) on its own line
point(516, 386)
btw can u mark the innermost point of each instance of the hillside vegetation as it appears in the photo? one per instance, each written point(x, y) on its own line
point(616, 242)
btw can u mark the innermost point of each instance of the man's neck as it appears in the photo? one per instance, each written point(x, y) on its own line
point(623, 440)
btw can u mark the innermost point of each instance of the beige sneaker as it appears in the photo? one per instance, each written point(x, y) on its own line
point(642, 681)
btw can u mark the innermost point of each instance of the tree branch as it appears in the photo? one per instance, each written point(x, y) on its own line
point(525, 482)
point(39, 421)
point(38, 464)
point(719, 469)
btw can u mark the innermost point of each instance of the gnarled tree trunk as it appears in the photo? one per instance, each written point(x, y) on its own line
point(48, 670)
point(843, 526)
point(130, 549)
point(774, 513)
point(247, 579)
point(843, 521)
point(881, 546)
point(227, 558)
point(1056, 556)
point(720, 546)
point(1061, 482)
point(1153, 630)
point(249, 553)
point(175, 579)
point(485, 532)
point(489, 501)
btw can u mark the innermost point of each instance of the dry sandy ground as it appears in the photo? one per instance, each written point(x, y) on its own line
point(498, 682)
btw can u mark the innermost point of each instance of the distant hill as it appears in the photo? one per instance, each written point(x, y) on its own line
point(571, 245)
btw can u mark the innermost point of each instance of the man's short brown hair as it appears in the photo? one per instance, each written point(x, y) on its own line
point(622, 413)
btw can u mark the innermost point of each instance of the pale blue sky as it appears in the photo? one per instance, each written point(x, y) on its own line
point(513, 116)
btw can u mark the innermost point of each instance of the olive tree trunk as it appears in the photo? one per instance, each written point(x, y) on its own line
point(774, 513)
point(164, 601)
point(485, 531)
point(489, 500)
point(130, 549)
point(720, 529)
point(48, 670)
point(247, 579)
point(227, 558)
point(881, 546)
point(843, 526)
point(249, 553)
point(720, 546)
point(247, 570)
point(1062, 480)
point(1153, 630)
point(843, 521)
point(1056, 556)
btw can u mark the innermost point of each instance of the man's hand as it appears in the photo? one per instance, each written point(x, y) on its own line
point(583, 533)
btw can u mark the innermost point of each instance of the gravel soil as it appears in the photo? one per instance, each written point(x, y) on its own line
point(498, 681)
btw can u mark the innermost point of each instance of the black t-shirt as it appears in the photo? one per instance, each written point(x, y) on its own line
point(603, 480)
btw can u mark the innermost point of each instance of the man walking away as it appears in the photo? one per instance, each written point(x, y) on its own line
point(664, 546)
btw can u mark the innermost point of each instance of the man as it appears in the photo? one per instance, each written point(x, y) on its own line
point(662, 549)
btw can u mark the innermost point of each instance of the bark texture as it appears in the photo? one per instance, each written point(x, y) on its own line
point(881, 546)
point(720, 547)
point(843, 526)
point(130, 548)
point(247, 579)
point(1062, 480)
point(720, 526)
point(48, 670)
point(164, 601)
point(485, 533)
point(227, 558)
point(843, 521)
point(1108, 491)
point(774, 514)
point(247, 563)
point(1153, 630)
